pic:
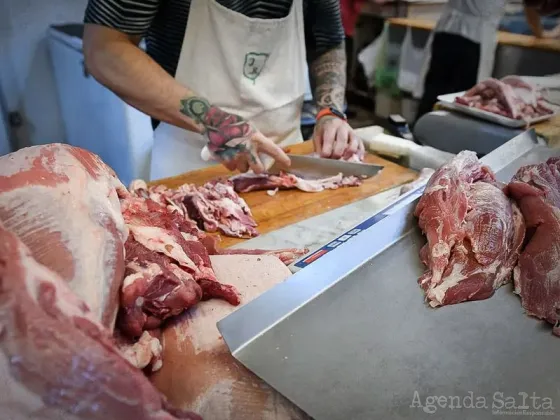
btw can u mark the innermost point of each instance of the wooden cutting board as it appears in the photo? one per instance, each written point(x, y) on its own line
point(292, 206)
point(199, 373)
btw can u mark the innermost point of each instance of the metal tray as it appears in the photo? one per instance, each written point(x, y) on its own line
point(349, 336)
point(448, 101)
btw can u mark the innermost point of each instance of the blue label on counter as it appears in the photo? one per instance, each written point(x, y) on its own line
point(366, 224)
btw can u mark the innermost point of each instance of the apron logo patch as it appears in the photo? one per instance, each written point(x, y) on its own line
point(254, 64)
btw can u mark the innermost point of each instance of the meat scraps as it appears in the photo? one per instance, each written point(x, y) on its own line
point(168, 268)
point(284, 181)
point(215, 206)
point(57, 358)
point(474, 233)
point(510, 97)
point(536, 188)
point(61, 201)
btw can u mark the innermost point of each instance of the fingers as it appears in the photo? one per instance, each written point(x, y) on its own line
point(267, 146)
point(230, 164)
point(328, 139)
point(340, 143)
point(361, 148)
point(255, 164)
point(353, 146)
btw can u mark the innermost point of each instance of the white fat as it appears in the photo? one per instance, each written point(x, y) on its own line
point(158, 240)
point(437, 294)
point(435, 188)
point(75, 208)
point(138, 184)
point(440, 249)
point(151, 269)
point(188, 236)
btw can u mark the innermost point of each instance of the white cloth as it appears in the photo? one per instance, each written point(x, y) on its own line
point(251, 67)
point(476, 20)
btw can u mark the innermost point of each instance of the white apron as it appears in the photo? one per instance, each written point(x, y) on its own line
point(255, 68)
point(483, 29)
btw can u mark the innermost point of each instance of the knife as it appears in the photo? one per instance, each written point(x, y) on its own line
point(317, 167)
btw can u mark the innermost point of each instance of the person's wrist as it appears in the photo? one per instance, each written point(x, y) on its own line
point(331, 112)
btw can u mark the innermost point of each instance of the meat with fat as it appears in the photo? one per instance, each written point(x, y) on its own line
point(168, 269)
point(474, 233)
point(510, 97)
point(215, 206)
point(61, 201)
point(57, 360)
point(284, 181)
point(536, 188)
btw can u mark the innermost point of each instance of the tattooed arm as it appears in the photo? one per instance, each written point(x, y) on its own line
point(328, 72)
point(333, 137)
point(115, 60)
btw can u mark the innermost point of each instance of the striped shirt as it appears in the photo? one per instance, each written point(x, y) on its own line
point(162, 23)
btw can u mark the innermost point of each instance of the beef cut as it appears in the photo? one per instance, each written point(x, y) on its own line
point(58, 361)
point(537, 274)
point(168, 268)
point(61, 201)
point(215, 206)
point(284, 181)
point(510, 97)
point(474, 233)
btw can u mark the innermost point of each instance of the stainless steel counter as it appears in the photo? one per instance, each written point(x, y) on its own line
point(349, 336)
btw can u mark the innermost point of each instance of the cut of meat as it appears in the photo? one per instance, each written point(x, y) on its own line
point(537, 274)
point(168, 268)
point(214, 207)
point(61, 201)
point(59, 361)
point(511, 97)
point(200, 373)
point(474, 233)
point(254, 182)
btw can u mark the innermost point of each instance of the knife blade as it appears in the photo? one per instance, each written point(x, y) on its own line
point(317, 167)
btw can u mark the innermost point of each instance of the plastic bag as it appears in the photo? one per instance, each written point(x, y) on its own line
point(410, 64)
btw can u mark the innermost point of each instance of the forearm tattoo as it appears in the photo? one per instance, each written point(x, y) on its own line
point(329, 74)
point(228, 134)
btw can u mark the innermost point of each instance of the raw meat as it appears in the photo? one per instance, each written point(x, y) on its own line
point(200, 373)
point(144, 353)
point(57, 360)
point(254, 182)
point(61, 201)
point(168, 268)
point(474, 233)
point(215, 206)
point(510, 97)
point(537, 274)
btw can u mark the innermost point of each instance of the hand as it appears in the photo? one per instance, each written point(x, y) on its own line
point(231, 139)
point(334, 138)
point(242, 153)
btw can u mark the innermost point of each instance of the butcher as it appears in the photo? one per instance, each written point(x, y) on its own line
point(224, 79)
point(460, 51)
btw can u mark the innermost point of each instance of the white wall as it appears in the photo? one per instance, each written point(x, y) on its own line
point(26, 76)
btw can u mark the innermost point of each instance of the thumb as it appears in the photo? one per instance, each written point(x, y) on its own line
point(267, 146)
